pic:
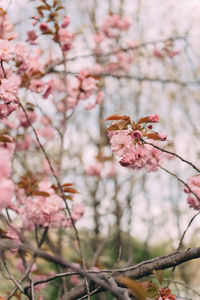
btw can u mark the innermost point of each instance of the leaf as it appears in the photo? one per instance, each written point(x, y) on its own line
point(55, 2)
point(3, 234)
point(112, 127)
point(152, 136)
point(143, 120)
point(70, 190)
point(5, 139)
point(152, 292)
point(118, 126)
point(40, 193)
point(67, 184)
point(69, 198)
point(135, 286)
point(43, 7)
point(117, 117)
point(59, 7)
point(159, 274)
point(123, 124)
point(40, 12)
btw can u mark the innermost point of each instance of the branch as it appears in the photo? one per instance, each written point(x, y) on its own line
point(140, 270)
point(138, 46)
point(174, 154)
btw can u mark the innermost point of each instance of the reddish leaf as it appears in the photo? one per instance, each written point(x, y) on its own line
point(67, 184)
point(55, 2)
point(59, 7)
point(152, 136)
point(112, 128)
point(117, 117)
point(40, 193)
point(122, 125)
point(143, 120)
point(70, 190)
point(43, 7)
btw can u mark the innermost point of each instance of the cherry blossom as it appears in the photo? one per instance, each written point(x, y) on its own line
point(6, 50)
point(9, 88)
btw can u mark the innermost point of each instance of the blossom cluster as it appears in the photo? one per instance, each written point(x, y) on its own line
point(194, 186)
point(105, 40)
point(44, 208)
point(6, 184)
point(127, 142)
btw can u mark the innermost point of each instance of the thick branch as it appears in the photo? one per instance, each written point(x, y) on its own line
point(142, 269)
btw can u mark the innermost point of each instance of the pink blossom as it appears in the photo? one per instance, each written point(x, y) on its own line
point(76, 280)
point(7, 72)
point(66, 38)
point(136, 159)
point(90, 106)
point(162, 136)
point(89, 84)
point(6, 50)
point(52, 204)
point(45, 120)
point(194, 185)
point(99, 97)
point(22, 52)
point(132, 44)
point(5, 163)
point(47, 170)
point(65, 22)
point(47, 132)
point(9, 89)
point(34, 63)
point(11, 233)
point(157, 53)
point(125, 23)
point(31, 37)
point(49, 89)
point(154, 118)
point(121, 143)
point(112, 171)
point(173, 53)
point(77, 211)
point(45, 186)
point(23, 119)
point(136, 134)
point(94, 170)
point(6, 28)
point(44, 27)
point(37, 85)
point(7, 192)
point(154, 159)
point(98, 37)
point(7, 109)
point(24, 143)
point(9, 124)
point(193, 202)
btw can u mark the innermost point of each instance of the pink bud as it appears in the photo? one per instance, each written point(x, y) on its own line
point(162, 136)
point(154, 118)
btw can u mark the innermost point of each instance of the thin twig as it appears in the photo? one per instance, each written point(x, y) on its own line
point(172, 153)
point(180, 180)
